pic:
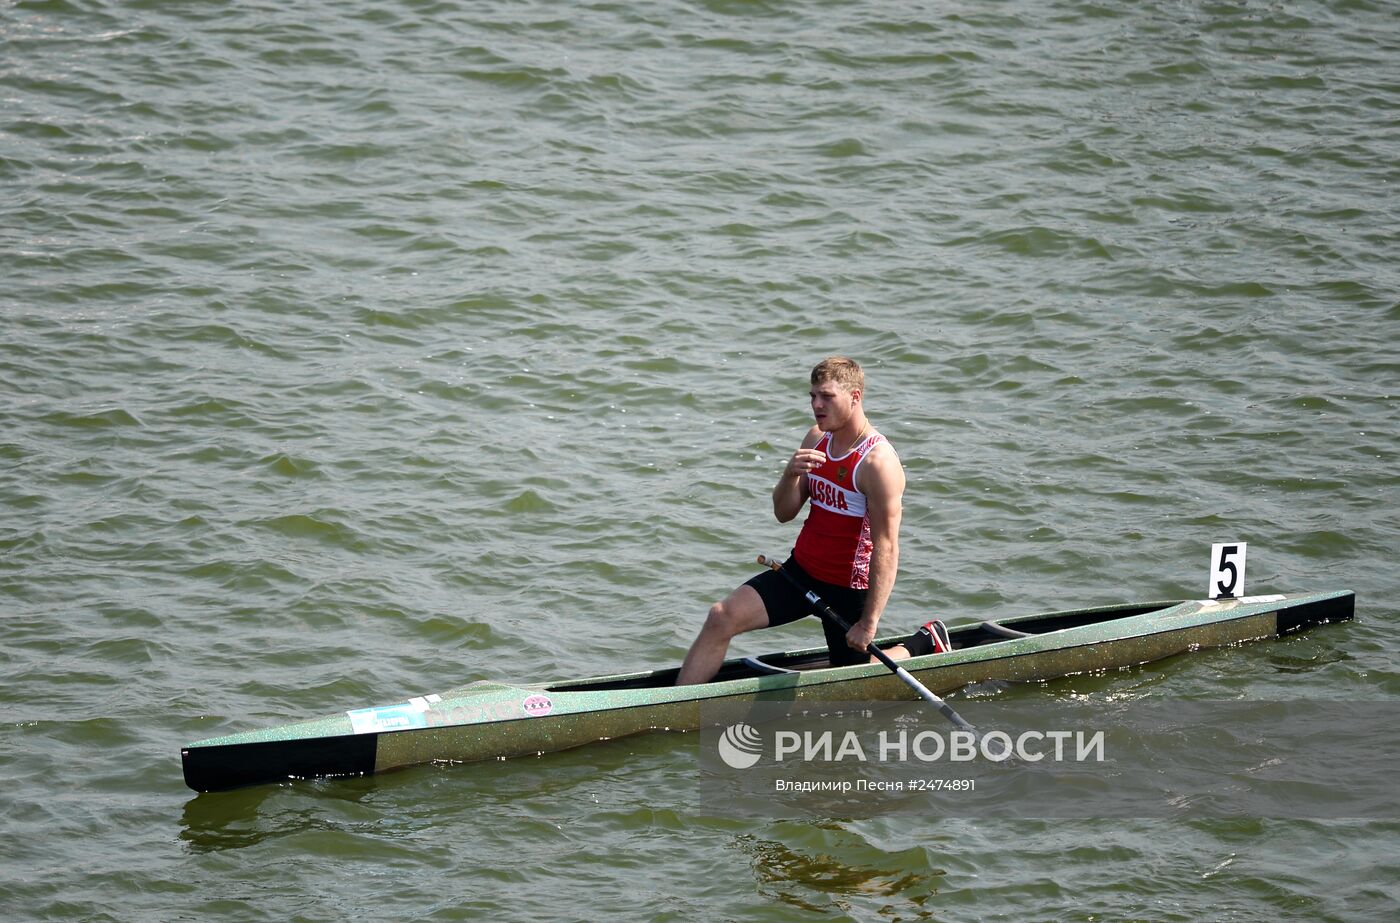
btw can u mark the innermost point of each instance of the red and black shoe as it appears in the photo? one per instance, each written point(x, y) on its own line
point(931, 639)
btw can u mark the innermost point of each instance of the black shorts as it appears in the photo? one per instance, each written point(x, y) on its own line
point(785, 603)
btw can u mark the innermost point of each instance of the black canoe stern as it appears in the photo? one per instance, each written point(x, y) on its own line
point(1338, 608)
point(220, 768)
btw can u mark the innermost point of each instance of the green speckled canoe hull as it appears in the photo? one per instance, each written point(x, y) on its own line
point(486, 720)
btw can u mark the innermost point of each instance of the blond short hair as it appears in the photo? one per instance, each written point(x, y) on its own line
point(842, 371)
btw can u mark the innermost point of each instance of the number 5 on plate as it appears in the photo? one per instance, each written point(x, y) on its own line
point(1226, 570)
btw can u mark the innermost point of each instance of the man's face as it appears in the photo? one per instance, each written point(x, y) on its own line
point(832, 405)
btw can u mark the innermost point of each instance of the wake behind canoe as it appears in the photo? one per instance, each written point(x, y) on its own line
point(486, 720)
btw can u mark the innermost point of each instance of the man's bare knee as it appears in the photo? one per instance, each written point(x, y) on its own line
point(721, 621)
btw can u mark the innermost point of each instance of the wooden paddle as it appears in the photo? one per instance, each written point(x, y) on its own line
point(830, 615)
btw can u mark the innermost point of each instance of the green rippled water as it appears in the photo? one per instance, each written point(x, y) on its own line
point(353, 351)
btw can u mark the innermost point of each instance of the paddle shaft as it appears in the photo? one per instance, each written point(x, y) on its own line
point(835, 618)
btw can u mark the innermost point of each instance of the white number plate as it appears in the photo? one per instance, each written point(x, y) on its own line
point(1226, 570)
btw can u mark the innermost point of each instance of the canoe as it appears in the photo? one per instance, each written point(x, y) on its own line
point(485, 720)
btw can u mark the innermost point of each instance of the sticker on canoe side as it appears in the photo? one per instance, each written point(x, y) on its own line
point(537, 706)
point(411, 714)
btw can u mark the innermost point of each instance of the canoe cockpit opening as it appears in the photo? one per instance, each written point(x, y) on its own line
point(977, 634)
point(744, 668)
point(760, 667)
point(973, 634)
point(997, 628)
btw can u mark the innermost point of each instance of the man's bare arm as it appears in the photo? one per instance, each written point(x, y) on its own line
point(882, 482)
point(790, 493)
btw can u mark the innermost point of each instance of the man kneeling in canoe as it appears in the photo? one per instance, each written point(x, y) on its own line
point(848, 549)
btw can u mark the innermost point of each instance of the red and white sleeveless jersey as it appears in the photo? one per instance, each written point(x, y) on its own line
point(834, 545)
